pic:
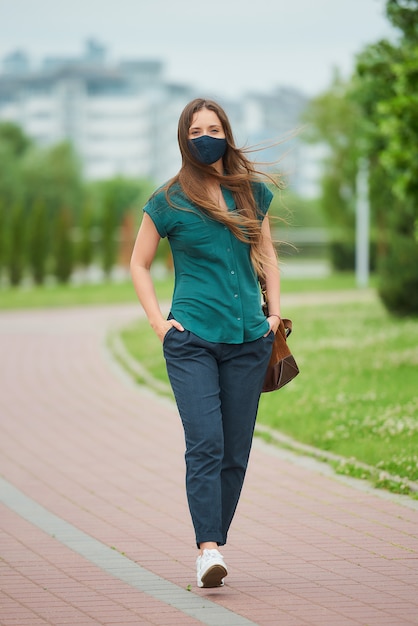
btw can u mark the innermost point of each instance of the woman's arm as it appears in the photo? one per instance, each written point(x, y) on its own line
point(272, 275)
point(143, 254)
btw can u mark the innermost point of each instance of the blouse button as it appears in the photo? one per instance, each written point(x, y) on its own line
point(232, 272)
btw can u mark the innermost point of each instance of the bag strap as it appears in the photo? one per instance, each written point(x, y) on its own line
point(287, 326)
point(286, 322)
point(263, 292)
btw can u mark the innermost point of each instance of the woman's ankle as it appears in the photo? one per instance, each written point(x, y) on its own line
point(208, 545)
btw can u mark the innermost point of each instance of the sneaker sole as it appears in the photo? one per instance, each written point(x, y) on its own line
point(213, 576)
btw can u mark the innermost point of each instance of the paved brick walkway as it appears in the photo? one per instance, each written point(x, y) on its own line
point(94, 521)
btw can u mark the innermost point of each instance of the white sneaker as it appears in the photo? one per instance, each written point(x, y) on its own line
point(211, 569)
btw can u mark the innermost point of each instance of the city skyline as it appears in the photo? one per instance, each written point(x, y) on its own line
point(220, 48)
point(122, 119)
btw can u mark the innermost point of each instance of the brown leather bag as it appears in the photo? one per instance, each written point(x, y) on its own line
point(282, 367)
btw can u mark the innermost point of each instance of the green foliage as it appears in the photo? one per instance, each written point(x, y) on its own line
point(122, 195)
point(53, 175)
point(385, 88)
point(11, 184)
point(14, 137)
point(108, 240)
point(372, 84)
point(38, 242)
point(31, 177)
point(2, 237)
point(399, 125)
point(13, 146)
point(296, 211)
point(404, 15)
point(117, 198)
point(333, 120)
point(15, 245)
point(398, 286)
point(34, 183)
point(85, 247)
point(342, 255)
point(63, 247)
point(375, 115)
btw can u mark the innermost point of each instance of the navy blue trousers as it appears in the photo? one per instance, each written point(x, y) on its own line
point(217, 388)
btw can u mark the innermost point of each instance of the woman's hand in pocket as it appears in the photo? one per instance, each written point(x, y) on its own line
point(165, 326)
point(274, 322)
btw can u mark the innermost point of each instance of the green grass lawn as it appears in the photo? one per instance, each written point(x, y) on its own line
point(356, 394)
point(74, 295)
point(114, 292)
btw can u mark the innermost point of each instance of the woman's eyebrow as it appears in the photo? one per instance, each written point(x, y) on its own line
point(196, 127)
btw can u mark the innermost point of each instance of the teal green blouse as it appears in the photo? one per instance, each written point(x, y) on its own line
point(216, 292)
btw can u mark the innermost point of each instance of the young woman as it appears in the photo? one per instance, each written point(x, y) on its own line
point(216, 340)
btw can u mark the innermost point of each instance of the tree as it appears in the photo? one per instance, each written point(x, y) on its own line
point(117, 197)
point(85, 245)
point(333, 119)
point(38, 242)
point(122, 194)
point(13, 146)
point(53, 174)
point(15, 239)
point(108, 238)
point(14, 137)
point(403, 14)
point(63, 246)
point(375, 115)
point(2, 238)
point(387, 75)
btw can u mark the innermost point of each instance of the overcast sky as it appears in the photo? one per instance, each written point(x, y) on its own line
point(222, 47)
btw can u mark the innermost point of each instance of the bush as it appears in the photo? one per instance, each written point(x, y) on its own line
point(398, 271)
point(343, 255)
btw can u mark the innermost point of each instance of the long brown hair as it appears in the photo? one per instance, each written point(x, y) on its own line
point(239, 172)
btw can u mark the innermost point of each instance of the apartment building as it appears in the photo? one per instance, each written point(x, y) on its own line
point(122, 117)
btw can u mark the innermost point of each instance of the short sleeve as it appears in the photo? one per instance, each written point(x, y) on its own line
point(263, 197)
point(155, 209)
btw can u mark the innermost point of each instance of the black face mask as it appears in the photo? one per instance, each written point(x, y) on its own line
point(207, 149)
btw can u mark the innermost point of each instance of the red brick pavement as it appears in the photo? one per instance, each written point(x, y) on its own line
point(106, 457)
